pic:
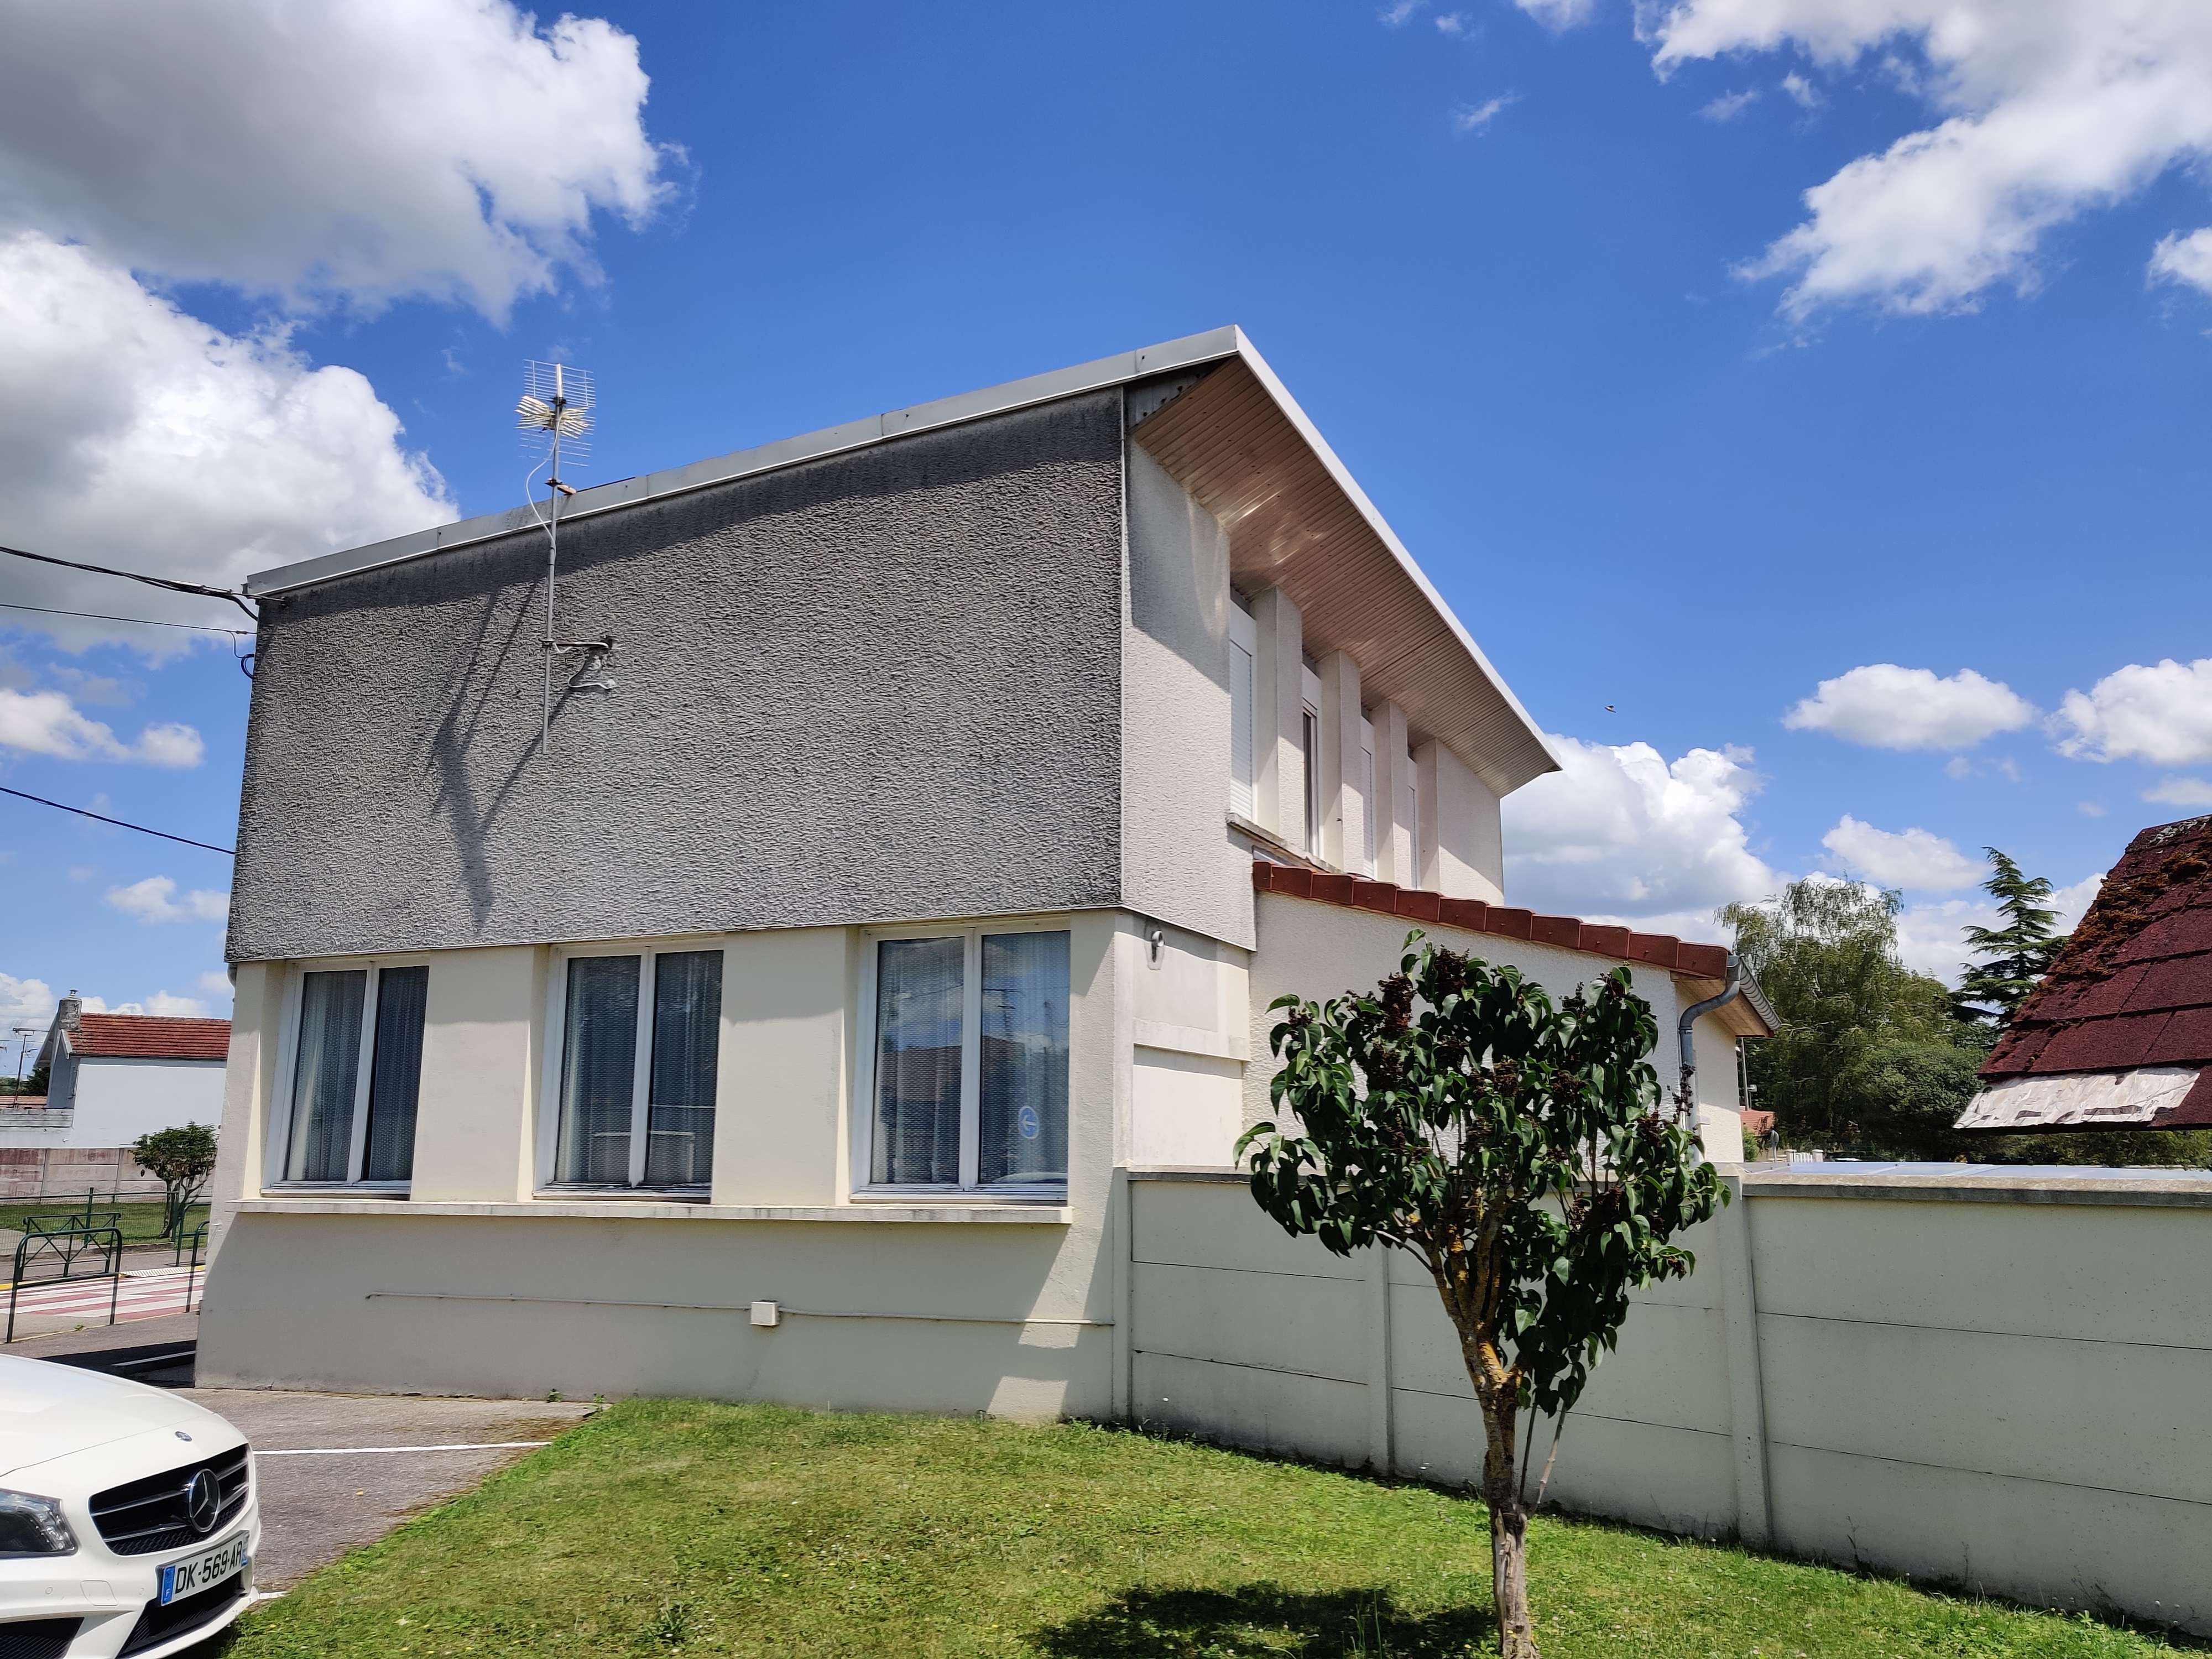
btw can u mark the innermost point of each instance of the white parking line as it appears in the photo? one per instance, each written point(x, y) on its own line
point(361, 1451)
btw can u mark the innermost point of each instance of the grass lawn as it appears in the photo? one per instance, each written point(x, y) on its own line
point(674, 1527)
point(141, 1222)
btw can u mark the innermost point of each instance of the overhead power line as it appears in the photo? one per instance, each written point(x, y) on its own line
point(228, 852)
point(143, 622)
point(238, 599)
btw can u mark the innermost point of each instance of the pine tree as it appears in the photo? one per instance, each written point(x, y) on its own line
point(2016, 955)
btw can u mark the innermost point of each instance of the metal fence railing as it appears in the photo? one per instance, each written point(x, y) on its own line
point(64, 1242)
point(84, 1248)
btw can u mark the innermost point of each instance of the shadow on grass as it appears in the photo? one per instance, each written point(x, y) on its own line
point(1262, 1619)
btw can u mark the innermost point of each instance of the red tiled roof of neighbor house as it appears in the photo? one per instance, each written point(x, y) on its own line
point(1417, 904)
point(151, 1037)
point(2134, 986)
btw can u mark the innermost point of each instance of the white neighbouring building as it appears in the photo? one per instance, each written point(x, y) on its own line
point(116, 1077)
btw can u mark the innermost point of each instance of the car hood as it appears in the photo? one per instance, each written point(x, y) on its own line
point(49, 1411)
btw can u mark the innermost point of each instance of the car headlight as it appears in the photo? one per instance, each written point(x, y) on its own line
point(31, 1525)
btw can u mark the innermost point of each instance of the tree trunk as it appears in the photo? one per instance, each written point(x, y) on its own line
point(1509, 1536)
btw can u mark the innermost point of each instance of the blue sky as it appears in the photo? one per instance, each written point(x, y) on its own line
point(1506, 255)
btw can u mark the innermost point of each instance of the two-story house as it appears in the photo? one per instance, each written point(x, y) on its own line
point(775, 1009)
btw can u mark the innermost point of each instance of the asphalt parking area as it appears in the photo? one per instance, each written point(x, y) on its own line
point(336, 1471)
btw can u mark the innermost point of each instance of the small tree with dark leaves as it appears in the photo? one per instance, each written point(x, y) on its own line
point(182, 1159)
point(1523, 1153)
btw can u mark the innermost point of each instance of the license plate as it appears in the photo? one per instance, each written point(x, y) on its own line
point(212, 1566)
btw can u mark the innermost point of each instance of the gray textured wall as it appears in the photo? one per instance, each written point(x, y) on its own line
point(879, 686)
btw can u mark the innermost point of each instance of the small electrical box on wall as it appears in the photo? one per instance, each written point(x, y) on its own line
point(767, 1314)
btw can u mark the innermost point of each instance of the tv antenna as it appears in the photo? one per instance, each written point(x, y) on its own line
point(555, 415)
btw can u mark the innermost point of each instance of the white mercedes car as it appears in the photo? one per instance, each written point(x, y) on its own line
point(128, 1517)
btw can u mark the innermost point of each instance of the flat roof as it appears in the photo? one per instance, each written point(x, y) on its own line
point(1524, 754)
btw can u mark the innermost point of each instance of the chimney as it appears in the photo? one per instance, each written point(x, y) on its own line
point(65, 1016)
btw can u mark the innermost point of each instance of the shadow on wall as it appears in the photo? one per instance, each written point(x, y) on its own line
point(1257, 1619)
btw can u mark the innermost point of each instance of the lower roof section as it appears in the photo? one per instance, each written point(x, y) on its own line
point(1703, 968)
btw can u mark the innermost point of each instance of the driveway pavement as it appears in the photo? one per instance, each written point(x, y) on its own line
point(336, 1471)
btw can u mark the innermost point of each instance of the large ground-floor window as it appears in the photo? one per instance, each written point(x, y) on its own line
point(356, 1075)
point(640, 1041)
point(967, 1082)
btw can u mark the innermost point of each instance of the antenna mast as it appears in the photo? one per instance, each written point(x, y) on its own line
point(555, 415)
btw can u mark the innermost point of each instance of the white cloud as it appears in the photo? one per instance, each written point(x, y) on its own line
point(1475, 119)
point(361, 149)
point(2179, 258)
point(1801, 91)
point(1621, 834)
point(2047, 110)
point(1729, 104)
point(216, 983)
point(1916, 858)
point(132, 434)
point(171, 1007)
point(153, 900)
point(2089, 809)
point(48, 723)
point(25, 1002)
point(2162, 715)
point(1886, 707)
point(1455, 24)
point(1394, 14)
point(1558, 14)
point(2180, 791)
point(350, 152)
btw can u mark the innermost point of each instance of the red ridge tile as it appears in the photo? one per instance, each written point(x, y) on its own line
point(1605, 939)
point(1507, 922)
point(1474, 915)
point(1417, 905)
point(1705, 960)
point(1660, 950)
point(1380, 895)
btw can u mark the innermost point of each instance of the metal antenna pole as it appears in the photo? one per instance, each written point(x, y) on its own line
point(552, 560)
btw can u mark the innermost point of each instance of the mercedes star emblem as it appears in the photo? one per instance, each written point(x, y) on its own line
point(203, 1502)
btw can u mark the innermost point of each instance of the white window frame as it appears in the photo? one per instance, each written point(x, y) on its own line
point(862, 1189)
point(278, 1151)
point(641, 1105)
point(1371, 818)
point(1244, 637)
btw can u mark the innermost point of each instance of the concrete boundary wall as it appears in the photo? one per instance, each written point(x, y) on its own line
point(1994, 1381)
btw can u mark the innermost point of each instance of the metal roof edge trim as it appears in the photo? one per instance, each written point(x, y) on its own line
point(1380, 526)
point(1212, 345)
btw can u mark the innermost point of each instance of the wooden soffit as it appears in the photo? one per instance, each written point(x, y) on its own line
point(1296, 521)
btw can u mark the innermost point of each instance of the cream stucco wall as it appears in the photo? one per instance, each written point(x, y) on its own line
point(1990, 1382)
point(307, 1290)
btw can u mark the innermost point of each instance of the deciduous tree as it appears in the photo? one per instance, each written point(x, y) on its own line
point(1523, 1153)
point(182, 1159)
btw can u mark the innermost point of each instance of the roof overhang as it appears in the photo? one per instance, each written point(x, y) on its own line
point(1297, 521)
point(1239, 442)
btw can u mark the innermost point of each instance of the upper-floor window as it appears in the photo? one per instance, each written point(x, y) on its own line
point(640, 1043)
point(1310, 755)
point(966, 1067)
point(354, 1076)
point(1371, 817)
point(1244, 650)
